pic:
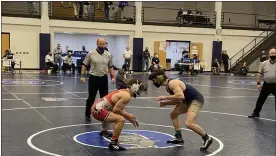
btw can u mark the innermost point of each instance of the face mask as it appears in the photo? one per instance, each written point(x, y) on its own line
point(273, 57)
point(157, 85)
point(101, 50)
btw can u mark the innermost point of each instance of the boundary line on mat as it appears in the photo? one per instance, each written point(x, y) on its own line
point(56, 83)
point(171, 74)
point(51, 93)
point(145, 97)
point(59, 88)
point(222, 87)
point(245, 84)
point(48, 121)
point(139, 107)
point(29, 140)
point(129, 132)
point(177, 78)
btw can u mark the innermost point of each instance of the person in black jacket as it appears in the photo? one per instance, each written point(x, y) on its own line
point(243, 70)
point(155, 63)
point(225, 59)
point(155, 59)
point(146, 58)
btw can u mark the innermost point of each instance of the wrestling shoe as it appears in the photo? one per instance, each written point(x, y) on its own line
point(106, 134)
point(114, 146)
point(175, 141)
point(254, 115)
point(206, 143)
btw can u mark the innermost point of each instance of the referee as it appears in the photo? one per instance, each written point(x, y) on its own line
point(100, 62)
point(268, 71)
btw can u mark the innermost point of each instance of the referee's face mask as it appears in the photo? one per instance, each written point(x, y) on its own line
point(272, 54)
point(101, 46)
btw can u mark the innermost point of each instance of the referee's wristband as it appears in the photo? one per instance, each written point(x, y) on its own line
point(258, 83)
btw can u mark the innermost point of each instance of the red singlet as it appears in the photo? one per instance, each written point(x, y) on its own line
point(102, 107)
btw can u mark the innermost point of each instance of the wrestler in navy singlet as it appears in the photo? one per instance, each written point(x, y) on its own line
point(190, 93)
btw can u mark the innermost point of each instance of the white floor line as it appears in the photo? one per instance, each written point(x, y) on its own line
point(20, 93)
point(30, 138)
point(138, 107)
point(30, 106)
point(59, 88)
point(201, 111)
point(222, 87)
point(11, 99)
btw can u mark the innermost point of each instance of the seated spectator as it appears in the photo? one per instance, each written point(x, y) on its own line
point(196, 67)
point(216, 67)
point(9, 56)
point(243, 70)
point(185, 59)
point(155, 60)
point(189, 12)
point(155, 63)
point(68, 63)
point(199, 12)
point(49, 61)
point(121, 79)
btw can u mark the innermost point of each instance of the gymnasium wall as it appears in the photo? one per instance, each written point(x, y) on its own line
point(113, 29)
point(121, 43)
point(24, 38)
point(27, 31)
point(116, 44)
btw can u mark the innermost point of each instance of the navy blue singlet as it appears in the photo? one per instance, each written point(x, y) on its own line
point(190, 93)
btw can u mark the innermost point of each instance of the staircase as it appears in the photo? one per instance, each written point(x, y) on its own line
point(252, 51)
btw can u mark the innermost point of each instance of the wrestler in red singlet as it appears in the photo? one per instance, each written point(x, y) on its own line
point(110, 109)
point(101, 108)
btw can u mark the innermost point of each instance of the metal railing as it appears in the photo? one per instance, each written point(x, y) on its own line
point(251, 45)
point(30, 9)
point(92, 11)
point(169, 16)
point(246, 20)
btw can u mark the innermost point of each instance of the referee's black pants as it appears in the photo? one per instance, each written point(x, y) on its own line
point(267, 88)
point(95, 83)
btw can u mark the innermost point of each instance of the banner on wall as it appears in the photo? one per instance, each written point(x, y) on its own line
point(196, 48)
point(162, 46)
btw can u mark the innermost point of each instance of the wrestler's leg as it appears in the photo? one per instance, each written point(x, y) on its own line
point(190, 123)
point(119, 121)
point(176, 111)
